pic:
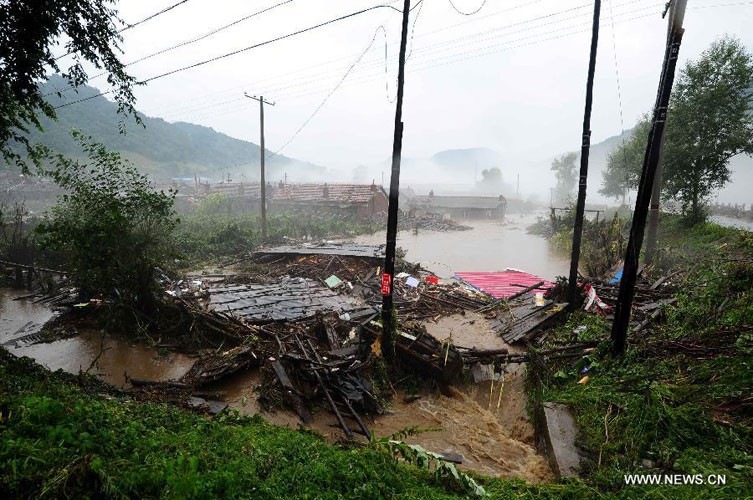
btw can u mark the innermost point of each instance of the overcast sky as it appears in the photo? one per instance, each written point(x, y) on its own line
point(510, 77)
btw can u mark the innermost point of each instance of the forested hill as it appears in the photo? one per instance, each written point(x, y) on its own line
point(160, 148)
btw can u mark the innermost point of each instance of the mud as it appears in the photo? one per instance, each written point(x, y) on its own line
point(466, 330)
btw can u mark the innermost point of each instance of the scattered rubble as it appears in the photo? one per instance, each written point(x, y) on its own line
point(425, 223)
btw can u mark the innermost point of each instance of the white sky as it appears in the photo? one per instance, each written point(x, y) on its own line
point(506, 78)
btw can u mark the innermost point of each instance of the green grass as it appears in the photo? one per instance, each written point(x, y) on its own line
point(219, 230)
point(74, 437)
point(62, 440)
point(679, 401)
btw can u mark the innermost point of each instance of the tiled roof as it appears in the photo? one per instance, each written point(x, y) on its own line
point(236, 188)
point(351, 193)
point(488, 202)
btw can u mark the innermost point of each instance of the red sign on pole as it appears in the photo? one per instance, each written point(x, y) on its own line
point(386, 283)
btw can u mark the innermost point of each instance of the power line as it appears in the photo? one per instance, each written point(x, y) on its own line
point(321, 105)
point(454, 57)
point(467, 13)
point(433, 48)
point(475, 53)
point(156, 14)
point(465, 42)
point(137, 23)
point(438, 62)
point(307, 79)
point(619, 96)
point(183, 44)
point(244, 49)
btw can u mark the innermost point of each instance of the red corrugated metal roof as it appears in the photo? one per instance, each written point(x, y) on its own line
point(501, 285)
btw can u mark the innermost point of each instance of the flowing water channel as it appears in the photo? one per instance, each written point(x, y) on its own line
point(486, 423)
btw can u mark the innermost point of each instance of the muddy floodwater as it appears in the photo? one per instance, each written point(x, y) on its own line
point(486, 422)
point(109, 357)
point(489, 246)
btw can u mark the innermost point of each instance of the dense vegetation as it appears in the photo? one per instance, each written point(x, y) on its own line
point(709, 122)
point(679, 401)
point(221, 228)
point(604, 240)
point(111, 226)
point(71, 436)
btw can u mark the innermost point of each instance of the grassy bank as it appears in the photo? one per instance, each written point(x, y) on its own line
point(679, 402)
point(70, 436)
point(65, 440)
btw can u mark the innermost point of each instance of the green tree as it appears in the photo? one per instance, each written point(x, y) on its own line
point(624, 164)
point(29, 31)
point(709, 122)
point(112, 225)
point(491, 176)
point(564, 171)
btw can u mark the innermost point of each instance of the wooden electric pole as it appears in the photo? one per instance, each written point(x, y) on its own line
point(572, 287)
point(263, 186)
point(652, 227)
point(388, 338)
point(648, 174)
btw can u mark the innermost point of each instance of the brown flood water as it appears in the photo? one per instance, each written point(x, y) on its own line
point(486, 423)
point(488, 427)
point(489, 246)
point(115, 357)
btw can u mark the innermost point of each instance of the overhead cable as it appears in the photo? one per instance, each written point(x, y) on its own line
point(244, 49)
point(467, 13)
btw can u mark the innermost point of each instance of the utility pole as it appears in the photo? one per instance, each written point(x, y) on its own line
point(653, 211)
point(572, 284)
point(648, 174)
point(388, 339)
point(263, 186)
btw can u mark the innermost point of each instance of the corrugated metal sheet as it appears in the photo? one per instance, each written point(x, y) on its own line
point(502, 285)
point(289, 299)
point(343, 250)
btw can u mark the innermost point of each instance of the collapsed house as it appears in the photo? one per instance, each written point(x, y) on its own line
point(361, 200)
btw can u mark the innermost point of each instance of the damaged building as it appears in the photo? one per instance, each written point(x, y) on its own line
point(361, 200)
point(459, 207)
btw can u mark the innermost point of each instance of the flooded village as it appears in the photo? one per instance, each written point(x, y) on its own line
point(419, 249)
point(291, 332)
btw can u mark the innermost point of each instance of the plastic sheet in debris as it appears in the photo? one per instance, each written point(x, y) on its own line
point(333, 281)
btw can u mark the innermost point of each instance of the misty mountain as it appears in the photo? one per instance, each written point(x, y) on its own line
point(471, 158)
point(160, 148)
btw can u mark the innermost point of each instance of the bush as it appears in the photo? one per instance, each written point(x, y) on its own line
point(112, 225)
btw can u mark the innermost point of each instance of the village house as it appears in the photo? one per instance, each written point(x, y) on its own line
point(362, 200)
point(459, 207)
